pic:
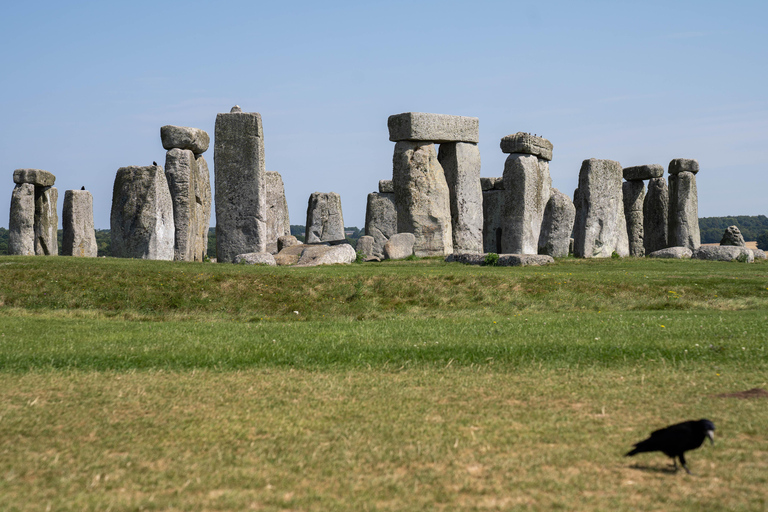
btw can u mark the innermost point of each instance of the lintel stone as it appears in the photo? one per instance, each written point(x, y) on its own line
point(679, 165)
point(522, 142)
point(643, 172)
point(34, 176)
point(438, 128)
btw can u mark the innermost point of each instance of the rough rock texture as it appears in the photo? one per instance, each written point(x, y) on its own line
point(77, 223)
point(724, 253)
point(672, 252)
point(399, 246)
point(655, 215)
point(557, 225)
point(278, 223)
point(141, 220)
point(643, 172)
point(21, 224)
point(380, 221)
point(527, 186)
point(240, 184)
point(386, 187)
point(325, 222)
point(492, 183)
point(203, 204)
point(634, 199)
point(181, 137)
point(759, 254)
point(34, 176)
point(46, 221)
point(256, 258)
point(365, 247)
point(683, 211)
point(679, 165)
point(422, 198)
point(286, 241)
point(466, 258)
point(528, 144)
point(461, 164)
point(418, 126)
point(181, 173)
point(289, 255)
point(732, 236)
point(524, 260)
point(314, 255)
point(600, 228)
point(493, 206)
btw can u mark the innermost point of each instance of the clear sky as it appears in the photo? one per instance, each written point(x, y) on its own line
point(86, 86)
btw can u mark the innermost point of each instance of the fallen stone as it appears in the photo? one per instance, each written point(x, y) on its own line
point(655, 216)
point(278, 223)
point(557, 225)
point(672, 252)
point(732, 236)
point(461, 164)
point(34, 176)
point(289, 255)
point(314, 255)
point(526, 143)
point(77, 224)
point(386, 187)
point(683, 211)
point(527, 186)
point(643, 172)
point(679, 165)
point(256, 258)
point(181, 137)
point(634, 198)
point(380, 220)
point(365, 246)
point(181, 173)
point(287, 241)
point(524, 260)
point(203, 204)
point(438, 128)
point(759, 254)
point(325, 221)
point(46, 221)
point(466, 258)
point(21, 224)
point(399, 246)
point(724, 253)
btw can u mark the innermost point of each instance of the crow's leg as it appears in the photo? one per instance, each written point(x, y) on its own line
point(685, 467)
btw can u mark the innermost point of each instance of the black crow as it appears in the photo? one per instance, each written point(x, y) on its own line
point(82, 188)
point(154, 163)
point(675, 440)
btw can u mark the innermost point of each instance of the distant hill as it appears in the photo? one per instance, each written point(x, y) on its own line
point(751, 227)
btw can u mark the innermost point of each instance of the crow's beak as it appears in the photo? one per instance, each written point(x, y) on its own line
point(711, 436)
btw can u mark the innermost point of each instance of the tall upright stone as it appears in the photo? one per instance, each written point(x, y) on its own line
point(683, 204)
point(278, 223)
point(325, 222)
point(46, 221)
point(182, 174)
point(141, 220)
point(422, 198)
point(493, 206)
point(461, 164)
point(527, 187)
point(600, 228)
point(634, 199)
point(655, 216)
point(240, 183)
point(380, 220)
point(21, 225)
point(203, 204)
point(557, 225)
point(77, 223)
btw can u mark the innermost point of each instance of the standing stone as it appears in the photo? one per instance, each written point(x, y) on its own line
point(77, 224)
point(46, 221)
point(278, 223)
point(21, 225)
point(600, 228)
point(240, 183)
point(683, 211)
point(182, 173)
point(203, 207)
point(461, 165)
point(325, 222)
point(365, 247)
point(422, 198)
point(733, 236)
point(527, 187)
point(380, 221)
point(655, 215)
point(493, 208)
point(141, 220)
point(634, 199)
point(557, 225)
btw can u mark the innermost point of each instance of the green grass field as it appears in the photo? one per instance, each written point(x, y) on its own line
point(143, 385)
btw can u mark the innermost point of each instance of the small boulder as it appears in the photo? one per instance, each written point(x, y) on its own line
point(524, 260)
point(399, 246)
point(289, 255)
point(286, 241)
point(759, 254)
point(256, 258)
point(732, 236)
point(724, 253)
point(314, 255)
point(672, 252)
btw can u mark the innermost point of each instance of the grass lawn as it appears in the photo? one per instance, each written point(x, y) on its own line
point(142, 385)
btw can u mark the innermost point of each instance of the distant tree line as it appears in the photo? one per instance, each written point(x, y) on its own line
point(751, 227)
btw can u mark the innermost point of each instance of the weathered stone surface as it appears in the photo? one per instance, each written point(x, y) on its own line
point(466, 258)
point(461, 164)
point(527, 186)
point(643, 172)
point(182, 173)
point(314, 255)
point(278, 223)
point(325, 222)
point(240, 184)
point(422, 198)
point(557, 225)
point(386, 187)
point(600, 228)
point(679, 165)
point(286, 241)
point(399, 246)
point(289, 255)
point(672, 252)
point(528, 144)
point(492, 183)
point(256, 258)
point(380, 220)
point(365, 247)
point(683, 211)
point(524, 260)
point(36, 177)
point(77, 223)
point(46, 221)
point(724, 253)
point(732, 236)
point(21, 224)
point(493, 206)
point(759, 254)
point(655, 215)
point(203, 204)
point(141, 220)
point(418, 126)
point(182, 137)
point(634, 199)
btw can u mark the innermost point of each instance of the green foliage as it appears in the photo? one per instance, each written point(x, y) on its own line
point(762, 241)
point(751, 227)
point(491, 259)
point(103, 242)
point(4, 233)
point(615, 255)
point(359, 257)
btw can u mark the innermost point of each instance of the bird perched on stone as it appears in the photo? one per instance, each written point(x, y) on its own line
point(154, 163)
point(82, 188)
point(677, 439)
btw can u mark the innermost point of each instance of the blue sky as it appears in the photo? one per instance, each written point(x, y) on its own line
point(86, 86)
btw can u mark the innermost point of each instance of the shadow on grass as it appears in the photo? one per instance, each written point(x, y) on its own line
point(668, 469)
